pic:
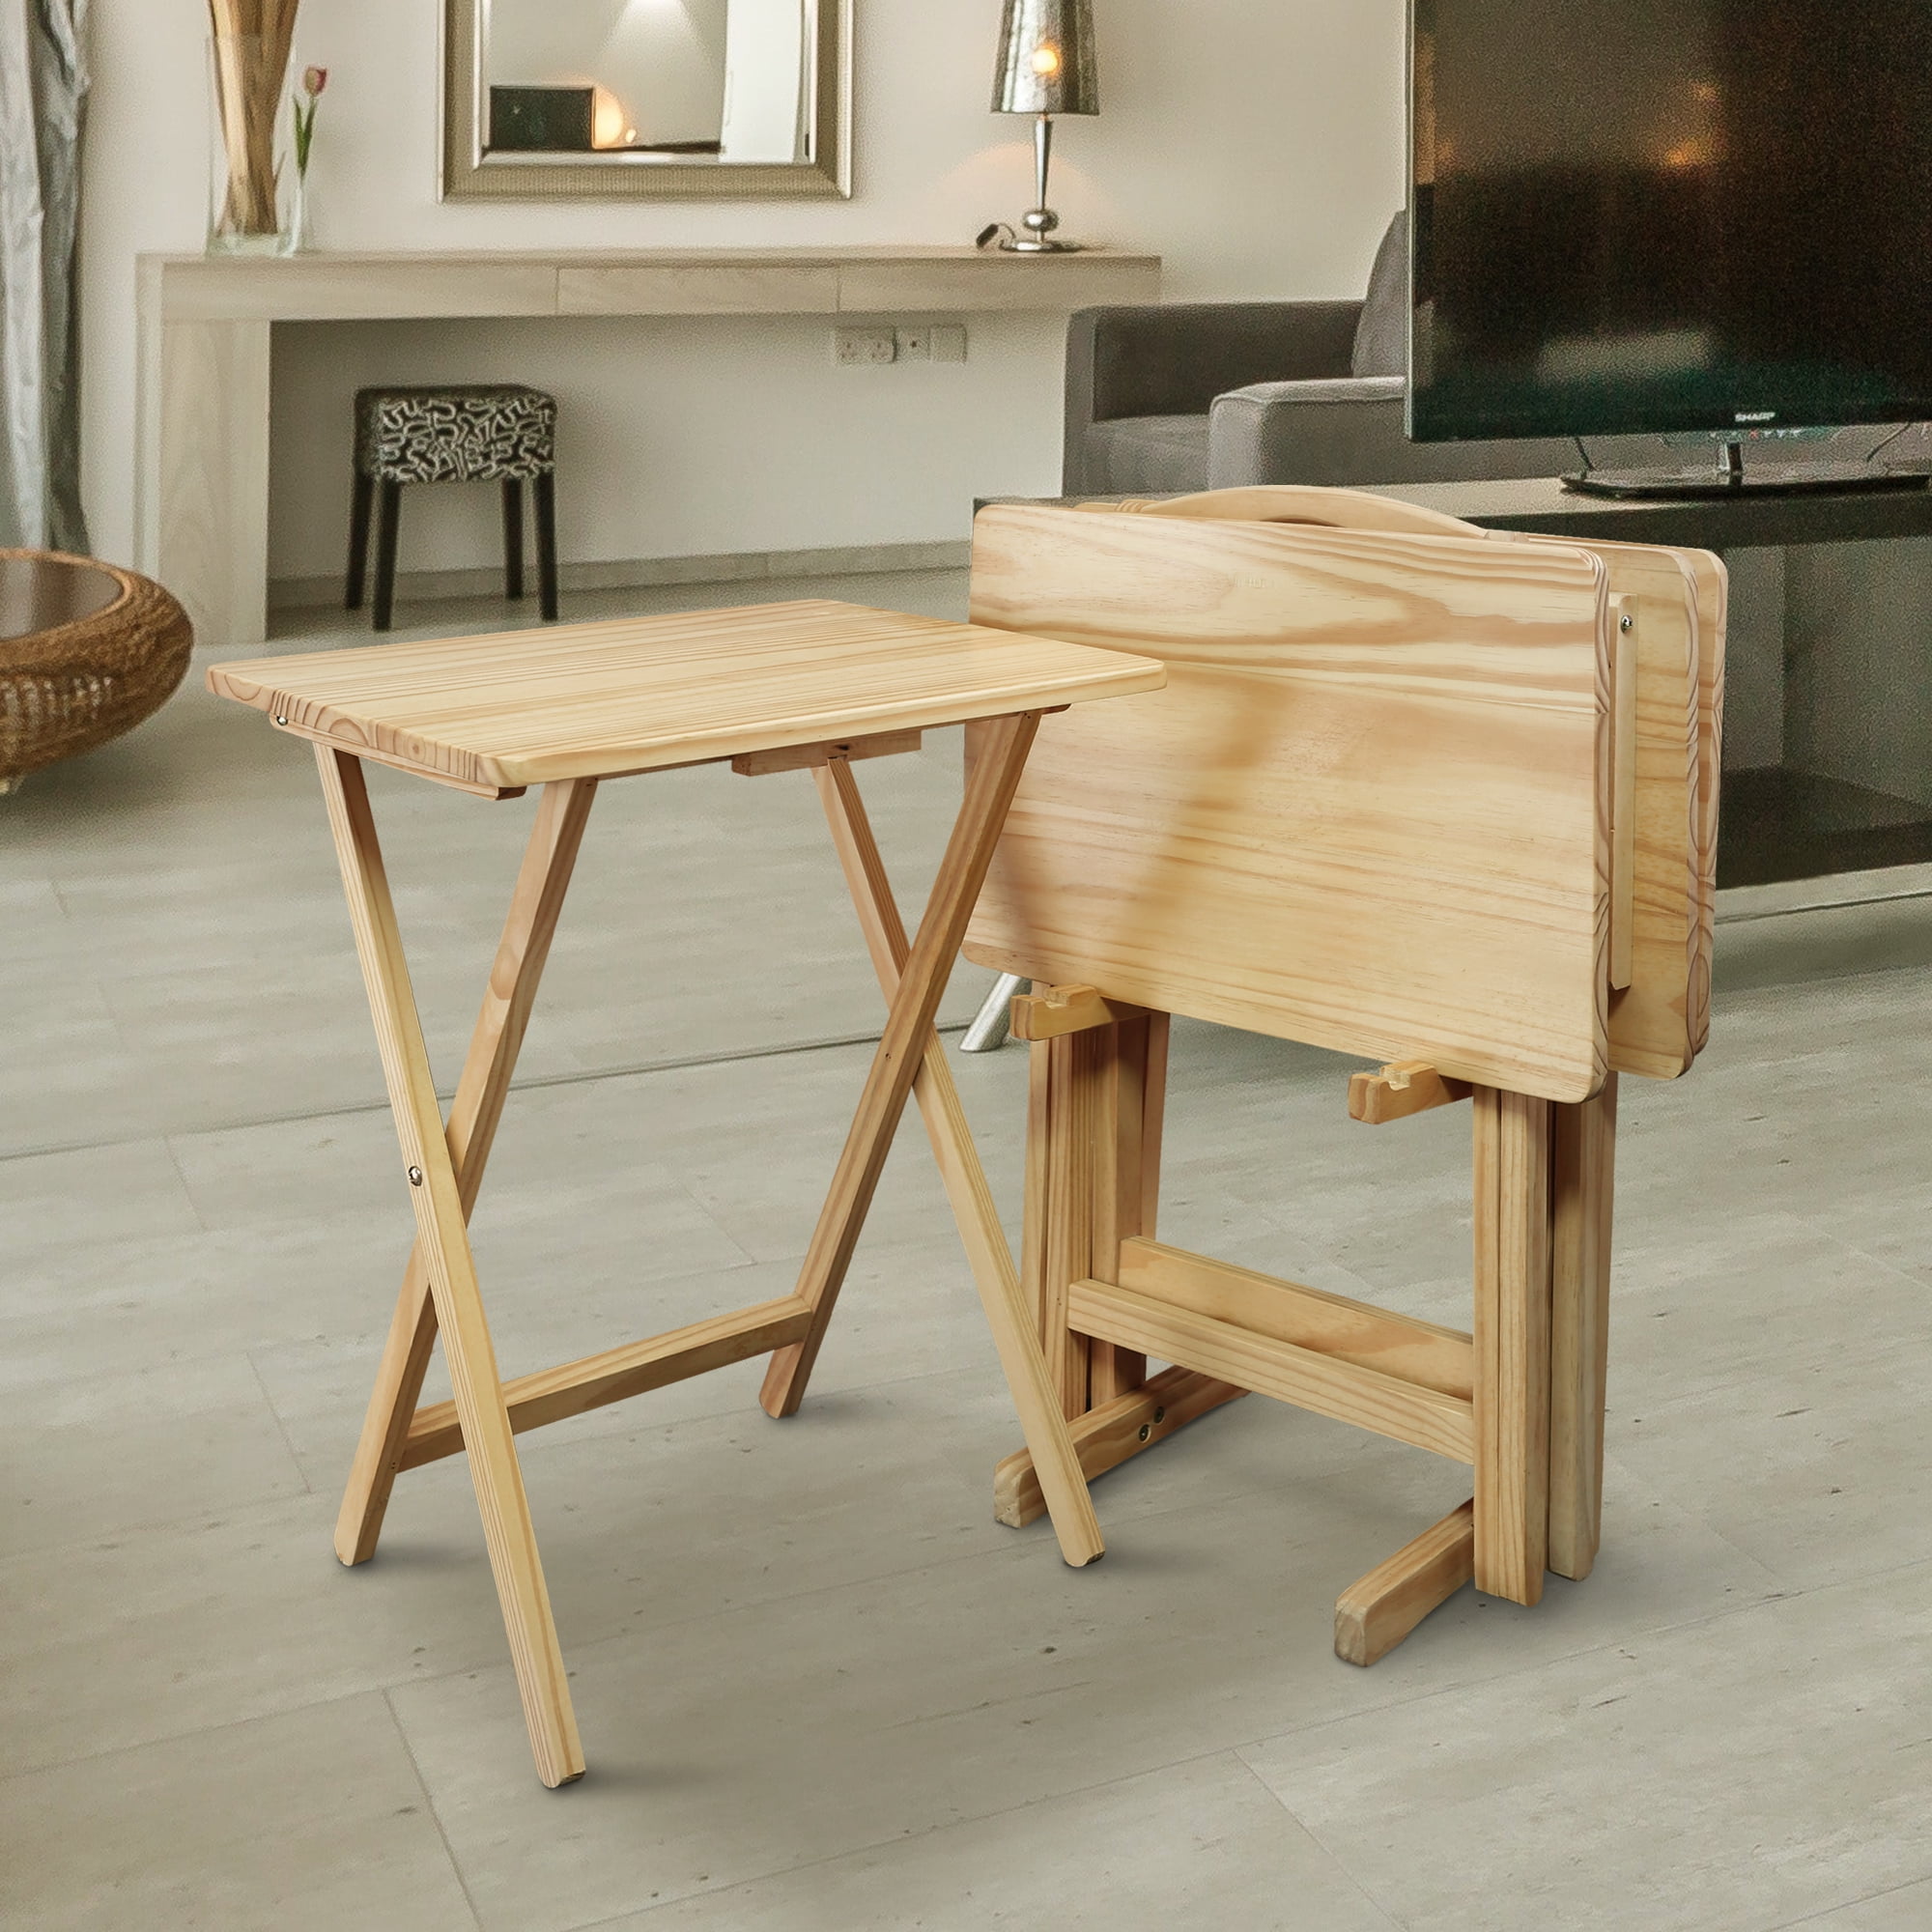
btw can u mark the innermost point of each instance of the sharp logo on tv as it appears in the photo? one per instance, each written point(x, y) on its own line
point(1756, 416)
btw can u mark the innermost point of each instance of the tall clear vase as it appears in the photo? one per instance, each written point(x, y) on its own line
point(248, 144)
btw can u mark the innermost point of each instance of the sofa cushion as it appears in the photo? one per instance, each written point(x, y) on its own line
point(1381, 337)
point(1135, 454)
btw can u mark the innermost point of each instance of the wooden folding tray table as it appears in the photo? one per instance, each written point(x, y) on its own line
point(1415, 790)
point(772, 688)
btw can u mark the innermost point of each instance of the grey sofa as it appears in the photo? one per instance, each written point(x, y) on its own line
point(1207, 395)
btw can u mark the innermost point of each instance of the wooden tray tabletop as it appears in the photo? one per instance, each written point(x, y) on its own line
point(593, 700)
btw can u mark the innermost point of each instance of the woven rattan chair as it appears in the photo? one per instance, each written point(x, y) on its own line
point(87, 651)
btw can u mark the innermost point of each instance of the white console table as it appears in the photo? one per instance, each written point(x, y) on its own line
point(207, 324)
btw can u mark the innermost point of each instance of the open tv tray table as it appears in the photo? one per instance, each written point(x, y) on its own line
point(772, 688)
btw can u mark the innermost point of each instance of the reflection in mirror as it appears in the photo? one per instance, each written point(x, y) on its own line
point(638, 82)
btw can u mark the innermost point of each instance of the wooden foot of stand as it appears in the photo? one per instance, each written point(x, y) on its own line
point(1110, 1435)
point(1374, 1615)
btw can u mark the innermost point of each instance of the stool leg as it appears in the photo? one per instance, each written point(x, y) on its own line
point(542, 493)
point(513, 537)
point(1511, 1337)
point(1583, 1159)
point(436, 1198)
point(361, 501)
point(534, 907)
point(389, 514)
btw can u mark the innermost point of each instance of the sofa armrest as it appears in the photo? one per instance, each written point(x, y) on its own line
point(1174, 358)
point(1351, 431)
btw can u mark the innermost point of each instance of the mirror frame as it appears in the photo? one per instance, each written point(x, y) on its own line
point(465, 175)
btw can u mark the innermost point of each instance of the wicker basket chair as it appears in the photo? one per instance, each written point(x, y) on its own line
point(87, 651)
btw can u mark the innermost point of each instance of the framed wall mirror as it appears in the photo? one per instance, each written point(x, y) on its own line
point(666, 100)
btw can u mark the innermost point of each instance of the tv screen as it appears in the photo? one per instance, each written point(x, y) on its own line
point(1657, 215)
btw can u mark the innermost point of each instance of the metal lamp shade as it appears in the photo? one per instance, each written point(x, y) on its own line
point(1046, 59)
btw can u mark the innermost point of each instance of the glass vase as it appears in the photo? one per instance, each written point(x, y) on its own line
point(248, 130)
point(297, 230)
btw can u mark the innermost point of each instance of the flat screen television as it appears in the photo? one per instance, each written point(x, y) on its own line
point(1669, 216)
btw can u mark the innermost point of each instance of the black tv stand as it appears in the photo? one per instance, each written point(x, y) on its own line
point(1730, 476)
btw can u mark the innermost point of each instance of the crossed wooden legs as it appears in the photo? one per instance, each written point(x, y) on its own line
point(444, 1168)
point(1521, 1399)
point(442, 1253)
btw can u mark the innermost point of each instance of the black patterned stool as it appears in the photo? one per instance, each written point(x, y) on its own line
point(458, 433)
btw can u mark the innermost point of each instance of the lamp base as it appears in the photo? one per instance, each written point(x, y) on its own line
point(1034, 245)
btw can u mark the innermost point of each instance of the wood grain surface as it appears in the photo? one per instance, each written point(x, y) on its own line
point(1371, 810)
point(593, 700)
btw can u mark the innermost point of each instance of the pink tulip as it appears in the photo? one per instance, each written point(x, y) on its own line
point(314, 80)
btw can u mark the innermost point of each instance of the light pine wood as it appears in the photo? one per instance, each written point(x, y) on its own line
point(1374, 1615)
point(1046, 1014)
point(1377, 779)
point(615, 1375)
point(1678, 689)
point(1299, 503)
point(1387, 1405)
point(535, 906)
point(444, 1240)
point(1131, 1100)
point(1623, 791)
point(805, 757)
point(1512, 1353)
point(989, 790)
point(1657, 1026)
point(1713, 586)
point(1675, 598)
point(1335, 1325)
point(1522, 1398)
point(1050, 1445)
point(1584, 1155)
point(1407, 1087)
point(589, 700)
point(1065, 1119)
point(1110, 1434)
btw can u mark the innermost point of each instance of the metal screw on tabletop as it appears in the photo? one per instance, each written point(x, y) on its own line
point(415, 1177)
point(1147, 1430)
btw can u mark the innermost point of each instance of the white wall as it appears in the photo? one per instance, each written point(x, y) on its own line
point(1256, 144)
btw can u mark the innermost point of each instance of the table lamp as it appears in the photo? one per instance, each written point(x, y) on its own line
point(1046, 67)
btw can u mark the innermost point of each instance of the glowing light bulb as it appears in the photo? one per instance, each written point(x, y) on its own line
point(1046, 61)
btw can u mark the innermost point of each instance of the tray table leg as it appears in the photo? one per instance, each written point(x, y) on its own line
point(562, 811)
point(1003, 746)
point(1511, 1337)
point(1042, 1423)
point(445, 1244)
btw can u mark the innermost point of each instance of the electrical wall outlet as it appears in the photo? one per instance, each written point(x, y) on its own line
point(915, 344)
point(947, 342)
point(864, 348)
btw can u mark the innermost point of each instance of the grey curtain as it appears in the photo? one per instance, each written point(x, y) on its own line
point(43, 96)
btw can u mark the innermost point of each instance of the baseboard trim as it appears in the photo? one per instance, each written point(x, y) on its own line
point(640, 573)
